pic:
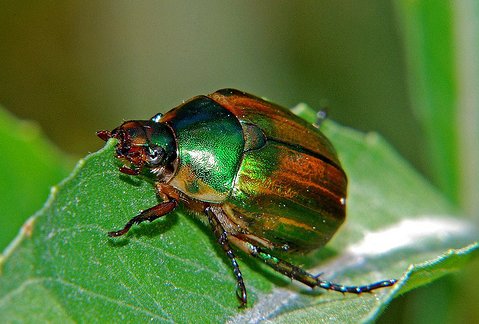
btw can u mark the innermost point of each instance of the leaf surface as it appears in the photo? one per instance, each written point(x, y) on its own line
point(172, 270)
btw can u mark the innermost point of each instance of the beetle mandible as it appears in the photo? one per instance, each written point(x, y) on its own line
point(265, 179)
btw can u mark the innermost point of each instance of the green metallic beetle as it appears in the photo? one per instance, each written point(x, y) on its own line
point(265, 179)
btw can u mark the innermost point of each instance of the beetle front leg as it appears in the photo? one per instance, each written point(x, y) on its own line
point(222, 237)
point(297, 273)
point(147, 215)
point(170, 201)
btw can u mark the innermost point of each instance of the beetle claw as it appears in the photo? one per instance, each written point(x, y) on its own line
point(318, 275)
point(241, 294)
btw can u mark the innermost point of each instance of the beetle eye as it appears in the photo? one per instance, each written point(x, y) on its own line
point(155, 155)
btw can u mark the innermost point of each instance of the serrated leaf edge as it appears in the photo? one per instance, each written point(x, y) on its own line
point(27, 229)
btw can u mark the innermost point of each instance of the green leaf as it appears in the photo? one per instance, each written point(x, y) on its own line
point(172, 269)
point(30, 166)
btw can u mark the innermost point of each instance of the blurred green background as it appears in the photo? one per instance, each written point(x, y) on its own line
point(384, 66)
point(76, 67)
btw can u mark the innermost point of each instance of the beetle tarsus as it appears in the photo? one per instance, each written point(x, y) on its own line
point(297, 273)
point(355, 289)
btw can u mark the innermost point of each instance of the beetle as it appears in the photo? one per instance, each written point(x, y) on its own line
point(267, 181)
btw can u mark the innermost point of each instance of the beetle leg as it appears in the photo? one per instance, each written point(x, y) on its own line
point(149, 214)
point(222, 237)
point(297, 273)
point(277, 264)
point(170, 201)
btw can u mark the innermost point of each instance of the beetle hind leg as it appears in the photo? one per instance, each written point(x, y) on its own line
point(297, 273)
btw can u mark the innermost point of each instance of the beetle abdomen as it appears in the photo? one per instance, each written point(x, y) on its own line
point(289, 197)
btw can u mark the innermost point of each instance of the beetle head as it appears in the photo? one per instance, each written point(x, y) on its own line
point(143, 144)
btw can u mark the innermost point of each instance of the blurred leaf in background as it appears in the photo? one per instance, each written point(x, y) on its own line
point(441, 43)
point(78, 67)
point(30, 165)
